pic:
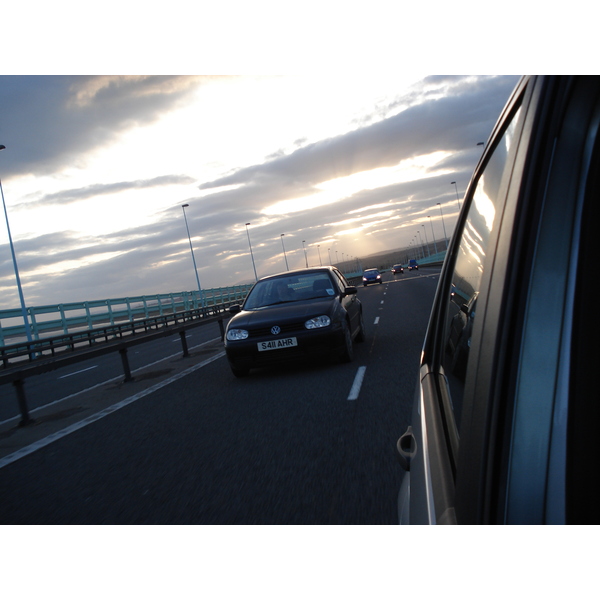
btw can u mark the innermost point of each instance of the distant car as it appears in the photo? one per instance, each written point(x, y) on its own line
point(293, 316)
point(412, 265)
point(371, 276)
point(504, 426)
point(397, 269)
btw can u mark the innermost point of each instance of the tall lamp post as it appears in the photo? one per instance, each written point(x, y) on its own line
point(183, 207)
point(426, 240)
point(456, 188)
point(305, 256)
point(319, 251)
point(433, 234)
point(251, 255)
point(445, 236)
point(14, 258)
point(284, 256)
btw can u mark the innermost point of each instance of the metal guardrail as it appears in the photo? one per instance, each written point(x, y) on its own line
point(72, 316)
point(27, 359)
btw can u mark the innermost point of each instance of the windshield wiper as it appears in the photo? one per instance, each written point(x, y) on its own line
point(279, 302)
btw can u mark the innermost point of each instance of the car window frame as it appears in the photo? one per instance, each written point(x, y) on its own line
point(439, 456)
point(485, 463)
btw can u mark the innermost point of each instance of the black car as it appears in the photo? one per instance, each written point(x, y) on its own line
point(506, 411)
point(397, 269)
point(293, 316)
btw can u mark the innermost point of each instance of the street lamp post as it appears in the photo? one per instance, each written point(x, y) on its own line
point(284, 256)
point(421, 242)
point(329, 252)
point(426, 240)
point(445, 236)
point(456, 188)
point(183, 207)
point(251, 255)
point(319, 251)
point(16, 268)
point(305, 256)
point(433, 234)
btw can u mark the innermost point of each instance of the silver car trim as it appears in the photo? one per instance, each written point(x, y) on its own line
point(426, 465)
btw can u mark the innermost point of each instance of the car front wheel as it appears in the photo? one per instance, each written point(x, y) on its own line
point(347, 353)
point(360, 336)
point(239, 372)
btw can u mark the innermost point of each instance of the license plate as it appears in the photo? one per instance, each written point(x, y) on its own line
point(277, 344)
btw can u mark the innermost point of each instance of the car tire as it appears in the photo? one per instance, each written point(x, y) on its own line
point(347, 353)
point(239, 372)
point(360, 336)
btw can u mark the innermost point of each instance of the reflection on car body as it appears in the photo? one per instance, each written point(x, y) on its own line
point(292, 316)
point(459, 337)
point(504, 421)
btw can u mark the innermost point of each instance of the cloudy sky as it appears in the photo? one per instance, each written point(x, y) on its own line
point(96, 170)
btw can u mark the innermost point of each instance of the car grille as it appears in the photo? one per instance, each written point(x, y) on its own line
point(285, 329)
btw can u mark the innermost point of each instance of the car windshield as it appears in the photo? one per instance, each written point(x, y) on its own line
point(371, 272)
point(290, 288)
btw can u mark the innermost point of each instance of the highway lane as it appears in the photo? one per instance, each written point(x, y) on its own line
point(281, 446)
point(53, 386)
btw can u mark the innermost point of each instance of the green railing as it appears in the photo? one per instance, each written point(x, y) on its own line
point(76, 316)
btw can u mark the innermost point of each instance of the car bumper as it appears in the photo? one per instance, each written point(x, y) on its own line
point(244, 354)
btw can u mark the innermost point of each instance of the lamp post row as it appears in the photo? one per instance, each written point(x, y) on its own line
point(184, 206)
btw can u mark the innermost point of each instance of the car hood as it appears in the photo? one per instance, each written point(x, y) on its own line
point(281, 313)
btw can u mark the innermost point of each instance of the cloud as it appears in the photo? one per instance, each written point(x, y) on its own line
point(449, 115)
point(101, 189)
point(50, 122)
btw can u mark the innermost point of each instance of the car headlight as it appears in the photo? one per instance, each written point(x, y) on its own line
point(317, 322)
point(237, 334)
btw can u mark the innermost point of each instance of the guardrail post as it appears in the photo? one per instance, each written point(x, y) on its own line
point(184, 343)
point(125, 361)
point(20, 389)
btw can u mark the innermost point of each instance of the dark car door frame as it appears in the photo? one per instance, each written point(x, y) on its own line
point(513, 446)
point(436, 432)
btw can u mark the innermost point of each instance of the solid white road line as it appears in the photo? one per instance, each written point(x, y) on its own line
point(113, 379)
point(11, 458)
point(77, 372)
point(355, 389)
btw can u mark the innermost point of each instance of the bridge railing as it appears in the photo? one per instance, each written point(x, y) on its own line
point(71, 317)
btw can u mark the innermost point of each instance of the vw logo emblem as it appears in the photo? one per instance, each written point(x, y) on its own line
point(275, 329)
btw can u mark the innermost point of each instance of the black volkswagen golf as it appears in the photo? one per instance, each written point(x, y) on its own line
point(292, 316)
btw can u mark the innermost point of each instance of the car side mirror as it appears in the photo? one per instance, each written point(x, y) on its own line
point(350, 290)
point(234, 309)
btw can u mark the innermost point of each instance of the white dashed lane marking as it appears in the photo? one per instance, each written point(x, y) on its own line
point(355, 389)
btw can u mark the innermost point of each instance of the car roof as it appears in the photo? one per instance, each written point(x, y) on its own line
point(324, 269)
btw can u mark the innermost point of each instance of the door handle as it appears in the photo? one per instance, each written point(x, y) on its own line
point(407, 448)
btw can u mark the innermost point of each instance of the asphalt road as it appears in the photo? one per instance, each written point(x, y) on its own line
point(284, 446)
